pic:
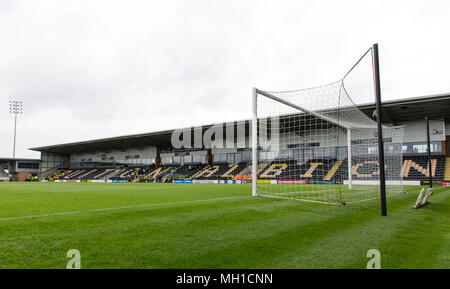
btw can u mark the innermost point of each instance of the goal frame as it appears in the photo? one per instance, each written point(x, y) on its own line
point(297, 107)
point(378, 106)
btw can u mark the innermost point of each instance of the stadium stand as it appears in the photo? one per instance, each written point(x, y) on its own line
point(128, 157)
point(3, 174)
point(413, 168)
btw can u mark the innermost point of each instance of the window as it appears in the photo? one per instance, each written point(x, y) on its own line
point(298, 155)
point(372, 150)
point(237, 158)
point(167, 160)
point(22, 165)
point(187, 159)
point(420, 148)
point(308, 154)
point(303, 145)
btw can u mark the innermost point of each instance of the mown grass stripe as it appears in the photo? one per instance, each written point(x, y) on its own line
point(426, 248)
point(262, 242)
point(118, 208)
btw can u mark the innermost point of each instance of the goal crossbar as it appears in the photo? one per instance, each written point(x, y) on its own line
point(288, 103)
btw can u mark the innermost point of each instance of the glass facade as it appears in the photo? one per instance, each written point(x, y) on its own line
point(111, 163)
point(181, 160)
point(421, 147)
point(301, 155)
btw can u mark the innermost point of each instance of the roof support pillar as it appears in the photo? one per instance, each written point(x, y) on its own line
point(209, 157)
point(158, 157)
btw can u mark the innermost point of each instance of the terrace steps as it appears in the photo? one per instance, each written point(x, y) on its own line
point(332, 171)
point(447, 169)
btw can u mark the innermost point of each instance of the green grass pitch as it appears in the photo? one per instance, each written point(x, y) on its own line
point(212, 226)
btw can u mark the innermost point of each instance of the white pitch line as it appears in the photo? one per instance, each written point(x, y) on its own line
point(118, 208)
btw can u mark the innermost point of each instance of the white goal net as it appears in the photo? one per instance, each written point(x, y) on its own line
point(316, 145)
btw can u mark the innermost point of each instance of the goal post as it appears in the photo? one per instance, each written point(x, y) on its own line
point(349, 157)
point(377, 90)
point(254, 143)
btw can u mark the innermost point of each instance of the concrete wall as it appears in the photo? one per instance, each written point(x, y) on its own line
point(415, 131)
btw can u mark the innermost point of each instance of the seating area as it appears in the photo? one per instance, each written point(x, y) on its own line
point(232, 170)
point(189, 170)
point(68, 174)
point(362, 169)
point(447, 169)
point(417, 168)
point(105, 173)
point(223, 171)
point(295, 170)
point(3, 174)
point(128, 173)
point(156, 174)
point(91, 174)
point(413, 168)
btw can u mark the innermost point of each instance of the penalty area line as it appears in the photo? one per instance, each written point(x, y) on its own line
point(119, 208)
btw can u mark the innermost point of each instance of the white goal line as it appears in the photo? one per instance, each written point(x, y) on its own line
point(119, 208)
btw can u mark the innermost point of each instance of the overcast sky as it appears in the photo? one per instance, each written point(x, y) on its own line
point(94, 69)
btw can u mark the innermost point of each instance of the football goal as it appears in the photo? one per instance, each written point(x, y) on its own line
point(316, 145)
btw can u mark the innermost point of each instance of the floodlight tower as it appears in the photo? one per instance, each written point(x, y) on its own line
point(15, 107)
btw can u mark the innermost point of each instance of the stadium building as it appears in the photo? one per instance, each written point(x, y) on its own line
point(151, 157)
point(19, 169)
